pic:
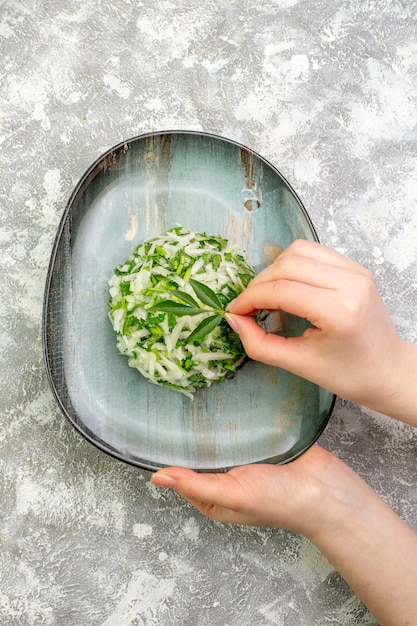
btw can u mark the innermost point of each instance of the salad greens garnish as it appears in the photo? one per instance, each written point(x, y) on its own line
point(205, 294)
point(191, 307)
point(205, 327)
point(169, 306)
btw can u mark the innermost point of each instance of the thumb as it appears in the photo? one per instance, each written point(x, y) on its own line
point(215, 495)
point(284, 352)
point(204, 487)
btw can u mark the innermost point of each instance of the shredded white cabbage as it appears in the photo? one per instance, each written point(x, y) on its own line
point(167, 304)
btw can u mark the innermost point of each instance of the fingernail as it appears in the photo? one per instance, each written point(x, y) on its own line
point(232, 321)
point(163, 480)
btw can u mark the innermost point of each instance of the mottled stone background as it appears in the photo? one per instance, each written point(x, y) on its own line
point(324, 89)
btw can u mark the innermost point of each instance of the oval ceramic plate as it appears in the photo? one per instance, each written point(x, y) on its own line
point(138, 189)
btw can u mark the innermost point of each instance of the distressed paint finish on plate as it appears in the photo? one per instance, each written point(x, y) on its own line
point(138, 189)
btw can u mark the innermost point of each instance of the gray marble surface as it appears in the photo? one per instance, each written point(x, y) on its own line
point(324, 89)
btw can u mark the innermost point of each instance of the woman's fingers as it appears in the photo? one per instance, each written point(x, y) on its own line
point(309, 262)
point(315, 304)
point(302, 286)
point(351, 331)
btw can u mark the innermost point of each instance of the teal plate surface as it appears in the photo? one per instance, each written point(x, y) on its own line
point(136, 190)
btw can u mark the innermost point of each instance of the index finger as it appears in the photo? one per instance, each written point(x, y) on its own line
point(308, 261)
point(307, 301)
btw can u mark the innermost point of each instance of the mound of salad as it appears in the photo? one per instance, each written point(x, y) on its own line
point(167, 307)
